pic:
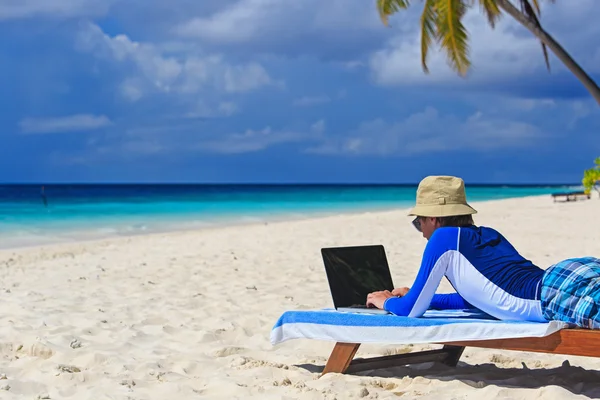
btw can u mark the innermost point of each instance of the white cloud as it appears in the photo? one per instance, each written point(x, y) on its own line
point(237, 23)
point(227, 108)
point(318, 127)
point(13, 9)
point(132, 89)
point(72, 123)
point(183, 135)
point(308, 101)
point(353, 65)
point(157, 71)
point(256, 140)
point(204, 110)
point(250, 20)
point(245, 78)
point(353, 31)
point(526, 104)
point(429, 131)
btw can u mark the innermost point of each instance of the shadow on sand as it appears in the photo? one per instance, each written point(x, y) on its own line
point(576, 380)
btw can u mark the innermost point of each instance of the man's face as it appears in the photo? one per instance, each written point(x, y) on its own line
point(426, 225)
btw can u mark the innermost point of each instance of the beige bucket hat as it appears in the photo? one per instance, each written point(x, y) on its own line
point(441, 196)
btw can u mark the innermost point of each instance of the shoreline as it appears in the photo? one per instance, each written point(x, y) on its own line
point(227, 224)
point(166, 226)
point(25, 227)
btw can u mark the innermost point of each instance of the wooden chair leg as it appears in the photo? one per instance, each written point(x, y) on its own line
point(341, 357)
point(454, 354)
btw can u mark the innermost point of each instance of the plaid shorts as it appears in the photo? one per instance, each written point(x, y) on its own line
point(571, 292)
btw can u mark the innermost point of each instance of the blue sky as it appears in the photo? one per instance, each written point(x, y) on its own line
point(274, 91)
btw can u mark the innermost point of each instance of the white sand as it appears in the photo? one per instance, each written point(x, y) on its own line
point(188, 315)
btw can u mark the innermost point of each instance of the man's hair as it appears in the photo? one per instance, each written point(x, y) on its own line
point(457, 220)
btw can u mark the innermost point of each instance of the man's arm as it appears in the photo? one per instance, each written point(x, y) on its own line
point(452, 301)
point(433, 268)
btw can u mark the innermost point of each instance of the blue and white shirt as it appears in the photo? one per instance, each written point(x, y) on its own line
point(486, 271)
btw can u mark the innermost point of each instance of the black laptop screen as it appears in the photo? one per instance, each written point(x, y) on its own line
point(354, 272)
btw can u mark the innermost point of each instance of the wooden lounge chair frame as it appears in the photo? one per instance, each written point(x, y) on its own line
point(577, 342)
point(571, 196)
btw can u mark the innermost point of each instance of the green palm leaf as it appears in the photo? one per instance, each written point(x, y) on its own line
point(389, 7)
point(452, 33)
point(428, 31)
point(491, 11)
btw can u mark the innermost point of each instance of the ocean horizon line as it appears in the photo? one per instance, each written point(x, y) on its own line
point(282, 184)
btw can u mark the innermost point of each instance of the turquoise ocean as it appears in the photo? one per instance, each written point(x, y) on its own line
point(33, 215)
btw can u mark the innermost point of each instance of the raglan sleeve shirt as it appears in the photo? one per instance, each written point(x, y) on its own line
point(439, 253)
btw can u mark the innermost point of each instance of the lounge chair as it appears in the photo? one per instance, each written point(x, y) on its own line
point(455, 329)
point(571, 196)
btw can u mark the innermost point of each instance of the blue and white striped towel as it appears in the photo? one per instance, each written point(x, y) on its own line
point(433, 327)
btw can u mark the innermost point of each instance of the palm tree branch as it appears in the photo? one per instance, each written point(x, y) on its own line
point(428, 30)
point(389, 7)
point(452, 33)
point(532, 12)
point(491, 11)
point(536, 6)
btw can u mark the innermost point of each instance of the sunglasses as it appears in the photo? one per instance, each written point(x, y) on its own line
point(417, 223)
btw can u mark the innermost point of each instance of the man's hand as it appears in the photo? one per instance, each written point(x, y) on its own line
point(400, 292)
point(376, 299)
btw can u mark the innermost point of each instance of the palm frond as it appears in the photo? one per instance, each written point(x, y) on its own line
point(532, 12)
point(545, 52)
point(389, 7)
point(452, 33)
point(536, 6)
point(491, 11)
point(429, 31)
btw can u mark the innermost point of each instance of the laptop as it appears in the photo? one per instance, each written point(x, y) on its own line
point(354, 272)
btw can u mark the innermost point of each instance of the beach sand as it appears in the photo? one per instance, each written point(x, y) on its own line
point(188, 315)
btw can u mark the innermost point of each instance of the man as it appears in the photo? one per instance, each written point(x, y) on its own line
point(486, 271)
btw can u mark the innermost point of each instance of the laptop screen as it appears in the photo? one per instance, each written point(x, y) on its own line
point(354, 272)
